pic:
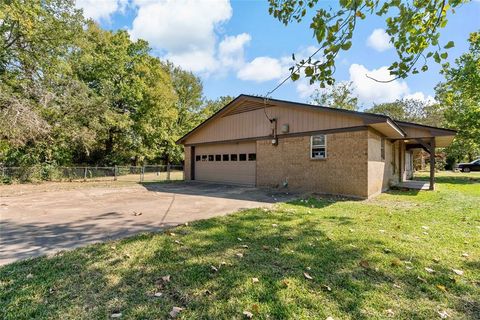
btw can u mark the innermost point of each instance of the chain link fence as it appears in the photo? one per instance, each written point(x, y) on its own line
point(148, 173)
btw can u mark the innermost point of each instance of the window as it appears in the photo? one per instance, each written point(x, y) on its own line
point(252, 156)
point(197, 158)
point(210, 157)
point(382, 148)
point(242, 157)
point(225, 157)
point(319, 147)
point(204, 158)
point(218, 157)
point(233, 157)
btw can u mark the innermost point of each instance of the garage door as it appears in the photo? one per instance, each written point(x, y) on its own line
point(229, 163)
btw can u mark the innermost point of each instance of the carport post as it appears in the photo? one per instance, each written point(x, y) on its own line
point(85, 174)
point(142, 173)
point(115, 173)
point(168, 171)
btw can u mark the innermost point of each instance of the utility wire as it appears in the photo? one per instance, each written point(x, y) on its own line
point(267, 95)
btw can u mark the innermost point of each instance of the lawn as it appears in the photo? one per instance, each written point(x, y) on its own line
point(402, 255)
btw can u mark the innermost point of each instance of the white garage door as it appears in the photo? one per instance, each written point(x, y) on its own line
point(229, 163)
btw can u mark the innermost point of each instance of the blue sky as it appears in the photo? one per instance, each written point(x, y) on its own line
point(236, 47)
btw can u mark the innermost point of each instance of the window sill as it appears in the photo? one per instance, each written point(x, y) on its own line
point(318, 159)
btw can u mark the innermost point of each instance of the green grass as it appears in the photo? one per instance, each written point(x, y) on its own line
point(371, 254)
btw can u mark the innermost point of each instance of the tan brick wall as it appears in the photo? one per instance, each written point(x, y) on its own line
point(381, 172)
point(186, 165)
point(343, 172)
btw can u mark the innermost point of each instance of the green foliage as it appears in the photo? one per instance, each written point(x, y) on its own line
point(71, 92)
point(413, 26)
point(339, 96)
point(460, 93)
point(412, 110)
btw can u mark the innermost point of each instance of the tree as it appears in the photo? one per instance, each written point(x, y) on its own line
point(339, 96)
point(460, 94)
point(213, 105)
point(412, 110)
point(413, 28)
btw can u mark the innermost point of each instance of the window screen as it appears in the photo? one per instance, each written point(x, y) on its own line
point(319, 147)
point(218, 157)
point(233, 157)
point(242, 157)
point(225, 157)
point(210, 157)
point(204, 157)
point(252, 156)
point(197, 158)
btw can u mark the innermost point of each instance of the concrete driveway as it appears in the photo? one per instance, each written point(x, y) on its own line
point(40, 223)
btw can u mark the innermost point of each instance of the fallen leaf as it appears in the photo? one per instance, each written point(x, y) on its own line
point(274, 225)
point(172, 234)
point(329, 318)
point(386, 250)
point(465, 255)
point(429, 270)
point(116, 315)
point(255, 308)
point(290, 238)
point(421, 279)
point(443, 314)
point(213, 268)
point(351, 230)
point(265, 247)
point(458, 272)
point(381, 231)
point(255, 280)
point(175, 311)
point(285, 283)
point(436, 260)
point(425, 228)
point(248, 314)
point(390, 313)
point(29, 276)
point(396, 286)
point(137, 213)
point(166, 278)
point(364, 264)
point(276, 249)
point(326, 288)
point(244, 246)
point(441, 288)
point(307, 276)
point(239, 239)
point(223, 263)
point(177, 242)
point(239, 255)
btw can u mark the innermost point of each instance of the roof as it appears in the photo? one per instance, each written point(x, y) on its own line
point(396, 125)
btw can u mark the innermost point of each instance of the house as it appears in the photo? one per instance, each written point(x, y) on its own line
point(274, 143)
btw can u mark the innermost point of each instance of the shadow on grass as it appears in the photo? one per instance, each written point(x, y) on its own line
point(276, 247)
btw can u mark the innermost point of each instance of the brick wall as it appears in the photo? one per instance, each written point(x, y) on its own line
point(186, 165)
point(343, 172)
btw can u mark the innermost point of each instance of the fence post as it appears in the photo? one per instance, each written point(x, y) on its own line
point(168, 171)
point(85, 174)
point(142, 173)
point(115, 173)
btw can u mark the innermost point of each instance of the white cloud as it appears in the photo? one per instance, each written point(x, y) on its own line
point(371, 91)
point(184, 29)
point(231, 50)
point(100, 9)
point(261, 69)
point(420, 96)
point(379, 40)
point(304, 88)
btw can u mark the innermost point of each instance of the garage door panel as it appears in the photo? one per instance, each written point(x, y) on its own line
point(238, 172)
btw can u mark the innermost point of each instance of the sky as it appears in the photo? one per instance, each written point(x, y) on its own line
point(236, 47)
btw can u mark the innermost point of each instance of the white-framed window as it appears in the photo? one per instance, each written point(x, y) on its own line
point(318, 146)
